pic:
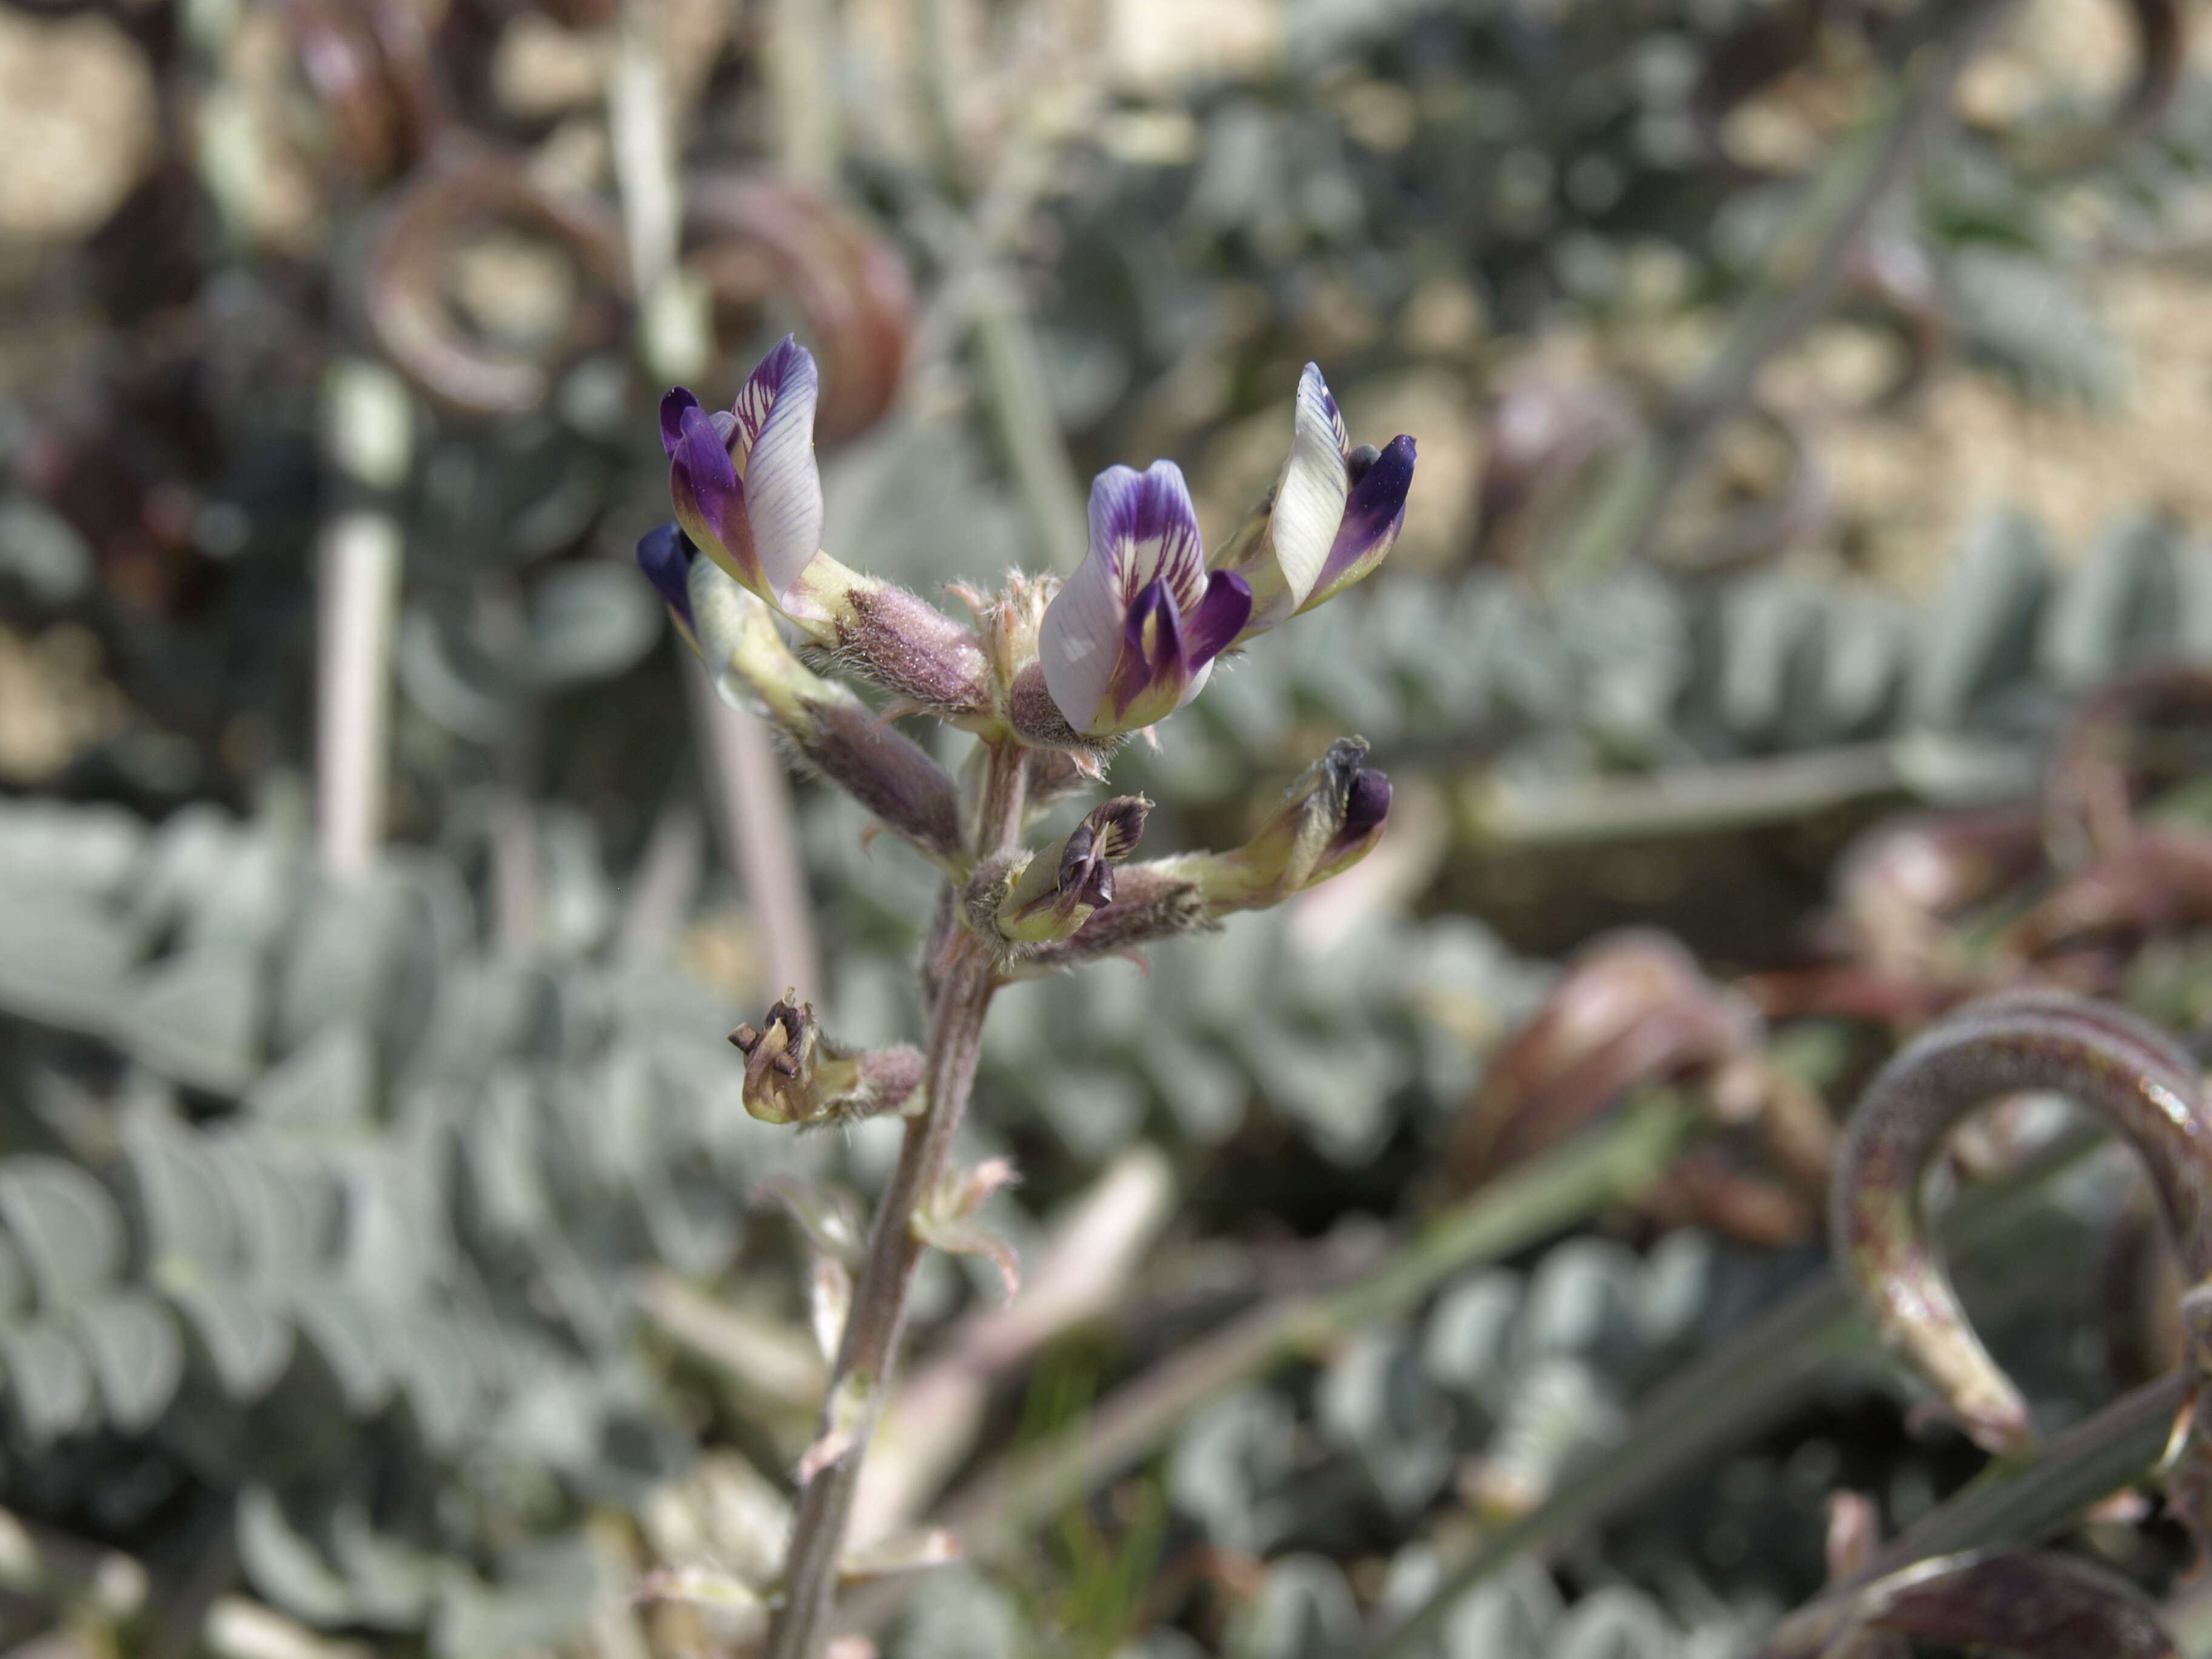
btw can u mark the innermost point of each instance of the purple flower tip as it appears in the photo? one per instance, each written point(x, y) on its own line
point(665, 555)
point(672, 417)
point(1367, 805)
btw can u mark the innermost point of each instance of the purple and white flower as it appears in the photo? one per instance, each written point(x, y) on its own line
point(744, 480)
point(1334, 514)
point(1132, 634)
point(665, 555)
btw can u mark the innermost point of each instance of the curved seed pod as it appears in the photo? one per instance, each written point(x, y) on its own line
point(1894, 272)
point(2162, 881)
point(2161, 50)
point(407, 309)
point(1545, 434)
point(369, 62)
point(2088, 794)
point(1899, 884)
point(1633, 1009)
point(2106, 1060)
point(754, 235)
point(1797, 511)
point(1743, 63)
point(2042, 1605)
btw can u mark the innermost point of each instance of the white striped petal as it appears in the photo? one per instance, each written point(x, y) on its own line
point(1310, 504)
point(783, 485)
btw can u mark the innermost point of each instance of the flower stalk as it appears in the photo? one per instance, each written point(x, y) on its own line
point(1051, 678)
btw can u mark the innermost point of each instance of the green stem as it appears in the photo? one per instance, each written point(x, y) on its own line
point(1618, 1161)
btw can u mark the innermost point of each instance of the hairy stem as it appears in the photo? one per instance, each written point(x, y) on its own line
point(872, 1329)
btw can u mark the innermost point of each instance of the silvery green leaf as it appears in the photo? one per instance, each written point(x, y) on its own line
point(342, 1327)
point(500, 1144)
point(1204, 1091)
point(1580, 1299)
point(958, 1614)
point(46, 846)
point(390, 1583)
point(253, 895)
point(1468, 1344)
point(1982, 629)
point(1674, 1286)
point(190, 1237)
point(242, 1331)
point(51, 1382)
point(1245, 701)
point(2192, 619)
point(1614, 1623)
point(1229, 1466)
point(1515, 1611)
point(1093, 1110)
point(15, 1287)
point(1305, 1610)
point(197, 1018)
point(2118, 608)
point(2023, 313)
point(1770, 652)
point(694, 1223)
point(1373, 1400)
point(41, 551)
point(576, 902)
point(452, 681)
point(285, 1209)
point(543, 1598)
point(65, 1224)
point(491, 1008)
point(439, 1375)
point(366, 953)
point(552, 1419)
point(137, 1355)
point(326, 1087)
point(285, 1565)
point(184, 860)
point(1866, 643)
point(62, 960)
point(589, 622)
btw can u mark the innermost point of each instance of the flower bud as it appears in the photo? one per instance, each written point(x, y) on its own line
point(747, 492)
point(829, 729)
point(744, 480)
point(1056, 891)
point(1333, 516)
point(795, 1075)
point(1327, 822)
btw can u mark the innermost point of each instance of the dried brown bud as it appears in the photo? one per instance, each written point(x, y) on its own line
point(1053, 895)
point(794, 1075)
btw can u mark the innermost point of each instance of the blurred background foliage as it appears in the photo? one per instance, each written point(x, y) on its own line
point(386, 1264)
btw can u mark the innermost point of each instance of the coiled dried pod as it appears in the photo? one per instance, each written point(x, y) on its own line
point(752, 236)
point(2039, 1605)
point(1635, 1012)
point(368, 63)
point(2127, 879)
point(2125, 1072)
point(407, 290)
point(2161, 38)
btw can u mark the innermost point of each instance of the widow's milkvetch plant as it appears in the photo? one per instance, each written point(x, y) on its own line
point(1051, 677)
